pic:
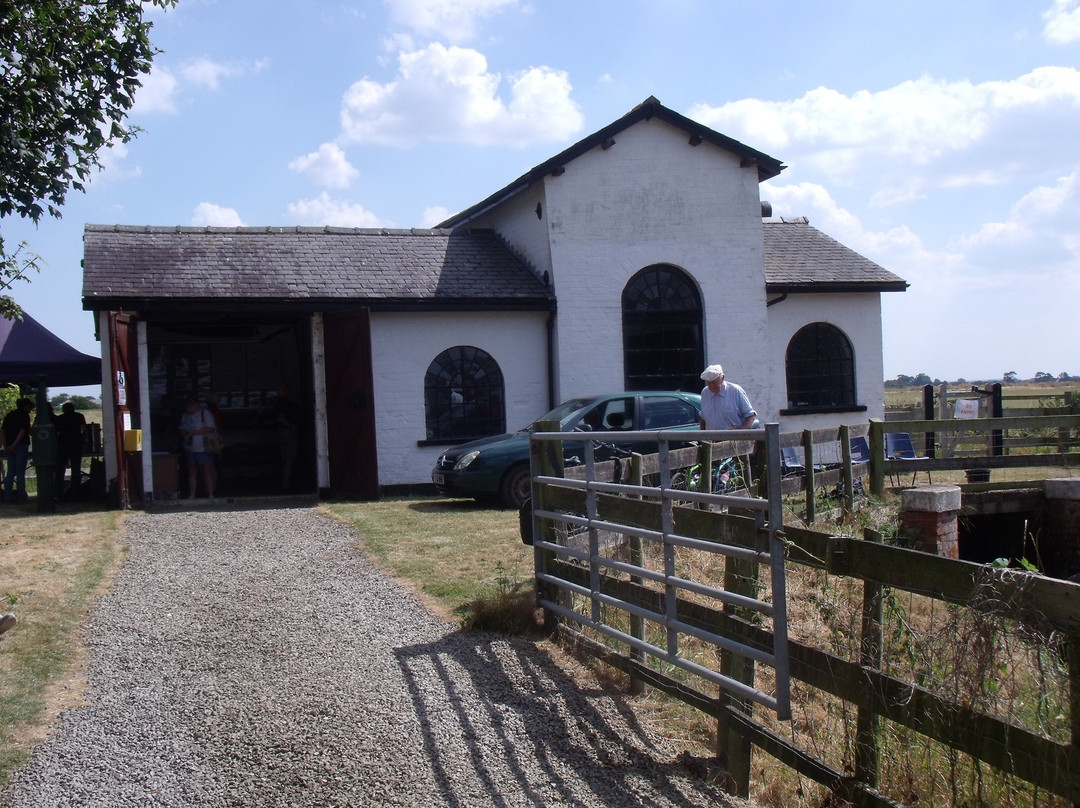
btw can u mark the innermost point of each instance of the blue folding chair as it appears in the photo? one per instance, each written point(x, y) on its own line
point(898, 447)
point(791, 463)
point(860, 450)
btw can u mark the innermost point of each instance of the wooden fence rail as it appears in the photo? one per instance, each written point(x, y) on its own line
point(1054, 451)
point(873, 694)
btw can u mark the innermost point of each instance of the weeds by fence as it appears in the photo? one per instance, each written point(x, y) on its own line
point(914, 678)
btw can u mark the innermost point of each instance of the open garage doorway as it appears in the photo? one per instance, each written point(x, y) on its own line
point(238, 369)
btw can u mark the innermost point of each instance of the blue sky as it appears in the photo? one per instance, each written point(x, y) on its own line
point(938, 139)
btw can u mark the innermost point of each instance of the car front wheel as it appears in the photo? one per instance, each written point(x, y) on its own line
point(516, 486)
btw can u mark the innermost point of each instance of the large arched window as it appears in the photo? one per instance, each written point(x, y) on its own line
point(662, 342)
point(463, 396)
point(820, 369)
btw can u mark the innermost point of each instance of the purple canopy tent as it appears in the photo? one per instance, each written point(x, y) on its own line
point(31, 354)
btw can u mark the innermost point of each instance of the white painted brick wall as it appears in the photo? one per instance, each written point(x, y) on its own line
point(859, 317)
point(403, 345)
point(650, 199)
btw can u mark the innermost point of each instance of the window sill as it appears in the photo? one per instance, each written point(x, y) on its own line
point(821, 410)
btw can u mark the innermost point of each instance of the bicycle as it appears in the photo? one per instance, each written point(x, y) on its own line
point(727, 477)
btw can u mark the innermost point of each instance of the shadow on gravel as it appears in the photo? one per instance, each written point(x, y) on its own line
point(526, 720)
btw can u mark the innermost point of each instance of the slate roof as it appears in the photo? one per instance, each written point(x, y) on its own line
point(768, 167)
point(132, 267)
point(800, 258)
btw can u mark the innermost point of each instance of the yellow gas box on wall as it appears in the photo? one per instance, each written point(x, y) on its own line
point(132, 440)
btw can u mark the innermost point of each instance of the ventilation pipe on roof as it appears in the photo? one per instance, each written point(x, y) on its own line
point(766, 209)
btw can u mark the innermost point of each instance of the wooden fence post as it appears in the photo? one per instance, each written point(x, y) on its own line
point(876, 439)
point(1074, 698)
point(808, 475)
point(847, 502)
point(997, 436)
point(705, 462)
point(546, 459)
point(733, 747)
point(929, 439)
point(868, 723)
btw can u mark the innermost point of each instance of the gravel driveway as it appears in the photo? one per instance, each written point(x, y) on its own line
point(255, 658)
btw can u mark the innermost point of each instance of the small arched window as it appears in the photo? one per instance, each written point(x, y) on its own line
point(662, 334)
point(463, 396)
point(820, 369)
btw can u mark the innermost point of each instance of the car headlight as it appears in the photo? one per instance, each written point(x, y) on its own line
point(466, 459)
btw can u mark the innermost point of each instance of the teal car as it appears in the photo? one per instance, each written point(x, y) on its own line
point(497, 468)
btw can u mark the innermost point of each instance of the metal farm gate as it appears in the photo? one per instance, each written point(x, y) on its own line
point(650, 576)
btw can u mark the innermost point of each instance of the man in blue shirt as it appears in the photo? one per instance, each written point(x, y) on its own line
point(724, 405)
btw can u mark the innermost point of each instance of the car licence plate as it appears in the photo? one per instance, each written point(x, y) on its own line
point(438, 478)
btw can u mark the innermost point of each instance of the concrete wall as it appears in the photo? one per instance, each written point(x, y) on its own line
point(404, 345)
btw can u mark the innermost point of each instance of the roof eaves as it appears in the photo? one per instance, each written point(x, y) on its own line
point(159, 305)
point(834, 287)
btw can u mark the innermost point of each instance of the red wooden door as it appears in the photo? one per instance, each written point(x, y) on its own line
point(123, 345)
point(350, 406)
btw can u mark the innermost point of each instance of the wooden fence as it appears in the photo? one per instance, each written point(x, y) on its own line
point(983, 444)
point(599, 600)
point(1051, 441)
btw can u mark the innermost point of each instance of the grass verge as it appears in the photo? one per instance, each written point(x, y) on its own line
point(51, 567)
point(466, 560)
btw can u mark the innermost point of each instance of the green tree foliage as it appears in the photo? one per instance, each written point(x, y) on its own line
point(904, 380)
point(79, 402)
point(68, 76)
point(9, 394)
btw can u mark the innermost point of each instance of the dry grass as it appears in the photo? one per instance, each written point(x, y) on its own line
point(51, 568)
point(456, 553)
point(980, 658)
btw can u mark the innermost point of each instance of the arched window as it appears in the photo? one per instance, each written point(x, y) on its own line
point(662, 334)
point(463, 396)
point(820, 369)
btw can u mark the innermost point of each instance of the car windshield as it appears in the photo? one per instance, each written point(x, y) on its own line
point(564, 413)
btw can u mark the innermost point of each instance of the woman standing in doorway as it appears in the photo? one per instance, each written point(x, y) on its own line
point(195, 425)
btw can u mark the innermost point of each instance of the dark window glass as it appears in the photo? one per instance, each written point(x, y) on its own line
point(463, 395)
point(662, 343)
point(618, 413)
point(662, 413)
point(820, 368)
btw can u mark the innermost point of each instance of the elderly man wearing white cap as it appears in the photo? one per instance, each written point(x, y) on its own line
point(724, 405)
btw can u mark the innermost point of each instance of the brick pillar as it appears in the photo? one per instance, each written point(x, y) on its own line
point(1059, 536)
point(928, 517)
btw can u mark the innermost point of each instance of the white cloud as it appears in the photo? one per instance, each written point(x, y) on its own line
point(894, 248)
point(452, 20)
point(1037, 237)
point(207, 73)
point(917, 128)
point(1062, 22)
point(207, 214)
point(157, 93)
point(323, 210)
point(447, 94)
point(433, 215)
point(327, 166)
point(162, 87)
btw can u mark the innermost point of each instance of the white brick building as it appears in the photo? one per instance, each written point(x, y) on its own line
point(628, 261)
